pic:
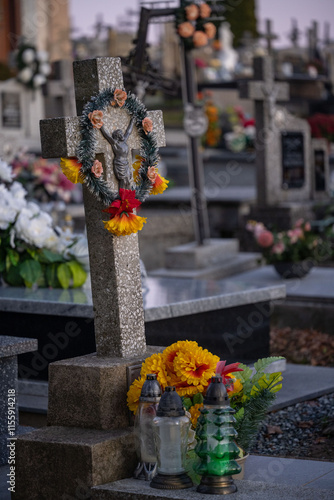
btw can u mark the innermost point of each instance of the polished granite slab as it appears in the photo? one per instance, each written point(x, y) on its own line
point(163, 298)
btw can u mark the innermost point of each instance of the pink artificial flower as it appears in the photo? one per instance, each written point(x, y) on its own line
point(97, 168)
point(278, 248)
point(120, 96)
point(307, 226)
point(200, 39)
point(299, 223)
point(204, 10)
point(210, 29)
point(186, 29)
point(265, 238)
point(96, 118)
point(192, 12)
point(225, 371)
point(147, 125)
point(152, 174)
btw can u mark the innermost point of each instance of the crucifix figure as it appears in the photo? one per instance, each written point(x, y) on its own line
point(120, 148)
point(114, 260)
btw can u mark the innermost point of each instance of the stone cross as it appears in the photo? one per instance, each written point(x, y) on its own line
point(269, 36)
point(114, 260)
point(265, 92)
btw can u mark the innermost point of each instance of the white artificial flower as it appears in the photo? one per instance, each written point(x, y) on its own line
point(38, 80)
point(8, 210)
point(80, 251)
point(45, 69)
point(35, 227)
point(64, 240)
point(28, 56)
point(6, 174)
point(42, 56)
point(25, 75)
point(18, 194)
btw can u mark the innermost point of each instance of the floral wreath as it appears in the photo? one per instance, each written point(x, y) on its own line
point(33, 66)
point(85, 169)
point(192, 24)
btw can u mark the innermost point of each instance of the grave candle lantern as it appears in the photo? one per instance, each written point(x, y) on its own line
point(216, 447)
point(143, 428)
point(171, 427)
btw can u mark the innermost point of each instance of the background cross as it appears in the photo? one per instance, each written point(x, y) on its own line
point(114, 261)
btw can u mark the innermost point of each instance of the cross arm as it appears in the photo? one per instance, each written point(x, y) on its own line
point(59, 137)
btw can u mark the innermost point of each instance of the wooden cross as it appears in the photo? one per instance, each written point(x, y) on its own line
point(265, 92)
point(114, 260)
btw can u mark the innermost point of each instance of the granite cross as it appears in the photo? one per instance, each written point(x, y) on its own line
point(265, 92)
point(114, 260)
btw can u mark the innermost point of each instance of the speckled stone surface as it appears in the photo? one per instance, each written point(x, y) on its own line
point(55, 463)
point(192, 256)
point(114, 261)
point(11, 346)
point(90, 391)
point(247, 490)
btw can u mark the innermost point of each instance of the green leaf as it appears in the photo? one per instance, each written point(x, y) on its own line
point(64, 275)
point(51, 275)
point(30, 271)
point(187, 403)
point(263, 363)
point(12, 276)
point(78, 273)
point(49, 257)
point(33, 253)
point(198, 399)
point(14, 256)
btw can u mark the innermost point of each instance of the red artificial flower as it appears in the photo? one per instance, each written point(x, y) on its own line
point(223, 370)
point(126, 204)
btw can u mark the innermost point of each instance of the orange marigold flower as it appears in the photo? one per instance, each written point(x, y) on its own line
point(134, 394)
point(186, 30)
point(147, 125)
point(136, 166)
point(210, 29)
point(204, 10)
point(192, 12)
point(125, 224)
point(195, 366)
point(71, 169)
point(160, 184)
point(120, 97)
point(195, 413)
point(200, 39)
point(155, 364)
point(96, 118)
point(171, 352)
point(97, 168)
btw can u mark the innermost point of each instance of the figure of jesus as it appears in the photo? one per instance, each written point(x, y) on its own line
point(118, 142)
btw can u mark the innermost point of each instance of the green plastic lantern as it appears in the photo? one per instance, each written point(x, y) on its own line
point(216, 445)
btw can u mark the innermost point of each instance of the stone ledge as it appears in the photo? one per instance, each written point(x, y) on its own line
point(12, 346)
point(57, 461)
point(247, 490)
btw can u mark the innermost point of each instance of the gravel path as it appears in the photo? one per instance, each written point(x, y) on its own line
point(304, 430)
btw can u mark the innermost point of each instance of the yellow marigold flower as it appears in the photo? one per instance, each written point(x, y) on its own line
point(237, 387)
point(159, 185)
point(194, 414)
point(170, 352)
point(155, 364)
point(71, 170)
point(196, 366)
point(136, 166)
point(134, 394)
point(125, 224)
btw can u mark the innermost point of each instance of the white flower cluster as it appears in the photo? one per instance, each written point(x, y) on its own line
point(34, 59)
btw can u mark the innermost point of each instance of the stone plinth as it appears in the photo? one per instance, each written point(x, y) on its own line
point(192, 256)
point(58, 462)
point(10, 347)
point(90, 391)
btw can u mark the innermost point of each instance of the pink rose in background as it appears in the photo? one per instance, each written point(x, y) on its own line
point(295, 234)
point(192, 12)
point(200, 39)
point(152, 174)
point(278, 248)
point(299, 222)
point(259, 228)
point(96, 118)
point(97, 168)
point(147, 125)
point(265, 238)
point(307, 226)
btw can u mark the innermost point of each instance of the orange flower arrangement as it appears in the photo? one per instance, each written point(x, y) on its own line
point(97, 168)
point(120, 97)
point(122, 219)
point(210, 30)
point(192, 12)
point(186, 30)
point(147, 125)
point(200, 39)
point(96, 118)
point(71, 169)
point(191, 25)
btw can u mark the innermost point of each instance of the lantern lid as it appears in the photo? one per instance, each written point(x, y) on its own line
point(216, 393)
point(170, 404)
point(151, 390)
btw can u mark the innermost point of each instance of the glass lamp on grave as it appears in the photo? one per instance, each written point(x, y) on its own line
point(171, 428)
point(215, 442)
point(143, 428)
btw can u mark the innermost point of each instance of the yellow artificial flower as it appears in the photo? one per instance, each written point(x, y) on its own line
point(171, 351)
point(71, 170)
point(136, 166)
point(237, 387)
point(155, 364)
point(134, 394)
point(125, 224)
point(160, 184)
point(195, 366)
point(194, 414)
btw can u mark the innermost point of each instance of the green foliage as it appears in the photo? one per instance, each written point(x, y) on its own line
point(242, 17)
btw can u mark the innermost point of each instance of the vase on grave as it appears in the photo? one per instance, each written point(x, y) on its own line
point(290, 270)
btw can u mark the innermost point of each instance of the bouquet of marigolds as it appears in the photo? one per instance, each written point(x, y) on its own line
point(189, 368)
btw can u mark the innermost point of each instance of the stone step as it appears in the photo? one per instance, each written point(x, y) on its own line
point(233, 264)
point(247, 490)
